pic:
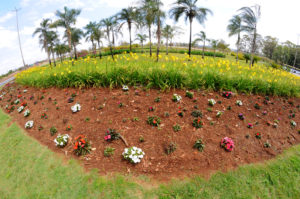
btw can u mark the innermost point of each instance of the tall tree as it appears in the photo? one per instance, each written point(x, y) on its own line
point(201, 37)
point(66, 19)
point(90, 33)
point(159, 16)
point(108, 25)
point(235, 28)
point(214, 45)
point(98, 35)
point(52, 39)
point(60, 50)
point(269, 46)
point(147, 11)
point(141, 38)
point(190, 10)
point(169, 32)
point(77, 34)
point(250, 17)
point(43, 31)
point(128, 15)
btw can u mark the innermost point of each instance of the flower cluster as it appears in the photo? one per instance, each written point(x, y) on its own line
point(219, 113)
point(76, 108)
point(133, 154)
point(26, 113)
point(197, 123)
point(69, 128)
point(211, 102)
point(239, 102)
point(241, 116)
point(176, 98)
point(125, 88)
point(17, 101)
point(151, 108)
point(250, 126)
point(227, 94)
point(180, 113)
point(227, 144)
point(111, 134)
point(153, 120)
point(81, 146)
point(29, 124)
point(258, 135)
point(61, 140)
point(20, 109)
point(44, 116)
point(293, 123)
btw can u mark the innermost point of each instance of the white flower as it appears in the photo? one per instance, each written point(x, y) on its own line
point(211, 102)
point(176, 97)
point(61, 140)
point(293, 123)
point(239, 103)
point(17, 101)
point(133, 154)
point(25, 91)
point(27, 113)
point(20, 109)
point(125, 88)
point(76, 108)
point(29, 124)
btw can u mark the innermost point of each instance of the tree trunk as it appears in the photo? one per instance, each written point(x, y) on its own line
point(110, 44)
point(69, 42)
point(93, 47)
point(129, 27)
point(142, 47)
point(100, 55)
point(60, 56)
point(75, 52)
point(158, 38)
point(167, 46)
point(190, 42)
point(237, 48)
point(150, 44)
point(49, 58)
point(203, 49)
point(53, 58)
point(253, 47)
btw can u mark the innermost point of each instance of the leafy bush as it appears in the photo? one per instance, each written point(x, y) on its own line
point(53, 130)
point(109, 151)
point(133, 154)
point(153, 120)
point(199, 145)
point(81, 146)
point(176, 127)
point(170, 148)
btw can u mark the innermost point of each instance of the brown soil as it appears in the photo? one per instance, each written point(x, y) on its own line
point(185, 161)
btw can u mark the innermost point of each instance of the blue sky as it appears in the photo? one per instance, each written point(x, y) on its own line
point(279, 19)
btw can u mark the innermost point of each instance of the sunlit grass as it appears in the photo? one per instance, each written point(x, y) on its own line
point(173, 71)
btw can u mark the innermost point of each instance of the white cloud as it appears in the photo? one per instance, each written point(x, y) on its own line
point(6, 17)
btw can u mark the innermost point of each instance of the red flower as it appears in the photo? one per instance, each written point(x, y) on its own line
point(154, 122)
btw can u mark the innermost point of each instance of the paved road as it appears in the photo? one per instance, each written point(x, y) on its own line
point(7, 81)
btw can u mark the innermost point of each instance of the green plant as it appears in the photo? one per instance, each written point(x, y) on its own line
point(209, 109)
point(135, 119)
point(267, 144)
point(176, 127)
point(157, 99)
point(153, 120)
point(199, 145)
point(197, 123)
point(189, 94)
point(196, 113)
point(109, 151)
point(170, 148)
point(166, 114)
point(53, 130)
point(142, 139)
point(87, 119)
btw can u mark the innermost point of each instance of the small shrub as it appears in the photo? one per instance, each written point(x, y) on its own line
point(211, 102)
point(170, 148)
point(227, 144)
point(199, 145)
point(267, 144)
point(250, 126)
point(180, 113)
point(241, 116)
point(176, 98)
point(176, 127)
point(53, 130)
point(196, 113)
point(135, 119)
point(69, 128)
point(157, 99)
point(219, 114)
point(111, 134)
point(40, 128)
point(153, 120)
point(227, 94)
point(257, 105)
point(197, 123)
point(133, 154)
point(142, 139)
point(258, 135)
point(189, 94)
point(166, 114)
point(109, 151)
point(151, 109)
point(209, 109)
point(87, 119)
point(239, 102)
point(120, 104)
point(81, 146)
point(61, 140)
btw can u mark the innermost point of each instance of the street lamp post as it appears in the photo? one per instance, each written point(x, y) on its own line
point(16, 10)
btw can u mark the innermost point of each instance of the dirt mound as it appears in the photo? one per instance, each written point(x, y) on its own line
point(100, 110)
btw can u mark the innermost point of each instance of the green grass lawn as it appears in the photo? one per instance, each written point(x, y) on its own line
point(30, 170)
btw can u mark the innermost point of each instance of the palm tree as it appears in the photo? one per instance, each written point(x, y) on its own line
point(89, 34)
point(201, 37)
point(43, 31)
point(169, 33)
point(98, 35)
point(147, 13)
point(75, 39)
point(214, 45)
point(129, 16)
point(60, 50)
point(159, 16)
point(67, 18)
point(108, 24)
point(52, 38)
point(235, 28)
point(141, 38)
point(250, 17)
point(191, 11)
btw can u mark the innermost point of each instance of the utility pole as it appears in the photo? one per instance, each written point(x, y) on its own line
point(296, 51)
point(16, 10)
